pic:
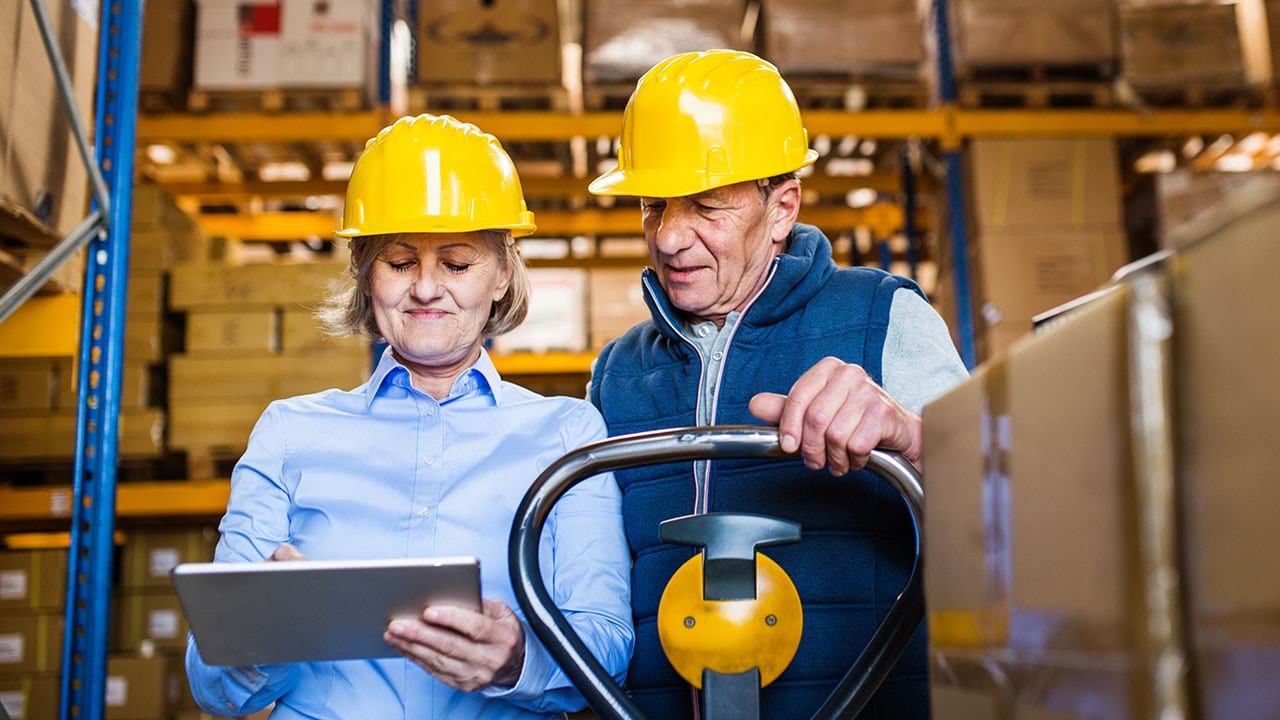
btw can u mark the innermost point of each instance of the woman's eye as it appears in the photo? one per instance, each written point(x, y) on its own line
point(402, 266)
point(457, 267)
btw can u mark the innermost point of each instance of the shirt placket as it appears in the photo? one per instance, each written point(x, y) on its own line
point(428, 477)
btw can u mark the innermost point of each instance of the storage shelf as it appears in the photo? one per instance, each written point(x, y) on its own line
point(943, 123)
point(551, 363)
point(133, 500)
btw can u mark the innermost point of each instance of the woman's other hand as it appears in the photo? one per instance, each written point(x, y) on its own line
point(462, 648)
point(285, 553)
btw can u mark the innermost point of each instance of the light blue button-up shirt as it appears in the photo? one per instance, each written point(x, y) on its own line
point(387, 471)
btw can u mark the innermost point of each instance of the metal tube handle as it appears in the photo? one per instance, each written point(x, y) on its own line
point(706, 443)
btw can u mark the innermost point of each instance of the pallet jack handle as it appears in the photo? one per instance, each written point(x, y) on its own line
point(705, 443)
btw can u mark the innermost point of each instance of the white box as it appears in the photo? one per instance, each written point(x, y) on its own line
point(557, 317)
point(252, 44)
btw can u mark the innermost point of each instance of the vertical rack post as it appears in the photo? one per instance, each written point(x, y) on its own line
point(956, 210)
point(84, 654)
point(907, 173)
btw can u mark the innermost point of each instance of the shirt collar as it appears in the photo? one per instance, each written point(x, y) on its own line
point(482, 375)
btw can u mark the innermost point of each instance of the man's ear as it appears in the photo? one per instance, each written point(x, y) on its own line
point(783, 209)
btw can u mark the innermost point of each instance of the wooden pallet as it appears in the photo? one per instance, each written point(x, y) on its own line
point(1203, 95)
point(277, 100)
point(602, 96)
point(488, 98)
point(1037, 85)
point(61, 471)
point(162, 101)
point(859, 93)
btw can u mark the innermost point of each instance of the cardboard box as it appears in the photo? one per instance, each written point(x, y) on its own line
point(213, 423)
point(149, 555)
point(155, 209)
point(969, 686)
point(1171, 45)
point(247, 330)
point(42, 171)
point(557, 317)
point(168, 28)
point(471, 42)
point(150, 615)
point(290, 285)
point(1044, 182)
point(285, 44)
point(1226, 353)
point(30, 643)
point(144, 339)
point(53, 436)
point(33, 580)
point(843, 37)
point(139, 688)
point(301, 332)
point(967, 526)
point(35, 384)
point(622, 40)
point(988, 33)
point(615, 303)
point(262, 377)
point(1184, 196)
point(31, 696)
point(146, 295)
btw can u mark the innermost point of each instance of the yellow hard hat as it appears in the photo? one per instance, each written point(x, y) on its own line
point(434, 174)
point(703, 120)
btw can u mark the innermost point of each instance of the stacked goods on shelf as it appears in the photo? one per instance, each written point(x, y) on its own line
point(880, 39)
point(622, 40)
point(290, 45)
point(616, 302)
point(150, 630)
point(32, 596)
point(43, 182)
point(1099, 523)
point(1012, 33)
point(168, 29)
point(464, 42)
point(1046, 228)
point(557, 318)
point(1190, 49)
point(251, 339)
point(1183, 196)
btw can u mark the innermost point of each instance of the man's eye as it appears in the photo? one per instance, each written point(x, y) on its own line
point(703, 207)
point(655, 206)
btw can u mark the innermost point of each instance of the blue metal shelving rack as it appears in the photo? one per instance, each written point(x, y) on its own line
point(956, 215)
point(84, 654)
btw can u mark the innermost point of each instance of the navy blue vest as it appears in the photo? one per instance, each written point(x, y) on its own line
point(856, 547)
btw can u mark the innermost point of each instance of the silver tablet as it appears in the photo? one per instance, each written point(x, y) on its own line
point(311, 611)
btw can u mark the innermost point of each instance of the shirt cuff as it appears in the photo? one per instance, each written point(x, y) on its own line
point(535, 673)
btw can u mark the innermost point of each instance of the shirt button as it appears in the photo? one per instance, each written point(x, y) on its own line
point(431, 409)
point(430, 460)
point(424, 511)
point(703, 330)
point(717, 355)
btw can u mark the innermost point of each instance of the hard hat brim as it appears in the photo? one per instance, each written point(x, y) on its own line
point(517, 230)
point(638, 183)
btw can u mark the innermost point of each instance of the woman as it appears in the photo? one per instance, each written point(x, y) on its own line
point(430, 457)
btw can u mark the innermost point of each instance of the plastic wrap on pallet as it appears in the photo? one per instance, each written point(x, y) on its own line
point(1010, 33)
point(1169, 46)
point(622, 39)
point(876, 38)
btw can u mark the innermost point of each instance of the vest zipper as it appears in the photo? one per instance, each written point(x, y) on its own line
point(702, 370)
point(705, 494)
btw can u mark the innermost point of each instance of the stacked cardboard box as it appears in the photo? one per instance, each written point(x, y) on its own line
point(169, 26)
point(1009, 33)
point(881, 38)
point(616, 301)
point(1170, 45)
point(288, 44)
point(1099, 523)
point(482, 43)
point(622, 40)
point(148, 615)
point(1046, 228)
point(32, 595)
point(557, 318)
point(251, 338)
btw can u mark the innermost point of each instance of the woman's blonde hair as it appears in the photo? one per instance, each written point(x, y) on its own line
point(348, 310)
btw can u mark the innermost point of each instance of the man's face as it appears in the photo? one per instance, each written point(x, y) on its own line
point(712, 250)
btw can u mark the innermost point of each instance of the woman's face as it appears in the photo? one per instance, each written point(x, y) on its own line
point(432, 295)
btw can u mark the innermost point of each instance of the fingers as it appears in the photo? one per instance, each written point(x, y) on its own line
point(814, 381)
point(286, 553)
point(461, 647)
point(768, 406)
point(423, 645)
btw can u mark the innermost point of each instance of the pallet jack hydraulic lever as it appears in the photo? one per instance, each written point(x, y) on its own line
point(730, 618)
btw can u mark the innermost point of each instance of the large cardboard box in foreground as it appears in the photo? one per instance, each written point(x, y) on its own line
point(42, 171)
point(479, 43)
point(1066, 546)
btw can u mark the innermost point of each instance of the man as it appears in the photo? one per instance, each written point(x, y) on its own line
point(753, 322)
